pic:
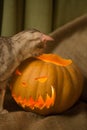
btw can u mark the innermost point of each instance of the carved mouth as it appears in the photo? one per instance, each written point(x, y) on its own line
point(39, 103)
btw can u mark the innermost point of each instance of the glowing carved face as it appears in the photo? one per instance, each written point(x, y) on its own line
point(26, 85)
point(40, 102)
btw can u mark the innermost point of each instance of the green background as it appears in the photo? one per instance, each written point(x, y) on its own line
point(44, 15)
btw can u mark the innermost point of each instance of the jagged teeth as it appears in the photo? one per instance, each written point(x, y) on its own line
point(39, 103)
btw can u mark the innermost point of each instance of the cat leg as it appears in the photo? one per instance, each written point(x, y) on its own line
point(2, 95)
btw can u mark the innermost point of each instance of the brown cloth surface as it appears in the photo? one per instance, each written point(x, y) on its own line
point(74, 119)
point(70, 41)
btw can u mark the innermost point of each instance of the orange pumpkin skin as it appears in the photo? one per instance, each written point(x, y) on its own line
point(46, 88)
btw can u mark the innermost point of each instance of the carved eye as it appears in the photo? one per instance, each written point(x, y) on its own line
point(41, 79)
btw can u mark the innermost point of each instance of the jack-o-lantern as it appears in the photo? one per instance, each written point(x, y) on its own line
point(47, 84)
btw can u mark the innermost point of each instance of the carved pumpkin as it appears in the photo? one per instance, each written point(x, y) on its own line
point(47, 84)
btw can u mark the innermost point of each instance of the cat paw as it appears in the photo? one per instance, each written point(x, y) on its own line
point(4, 111)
